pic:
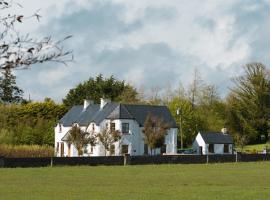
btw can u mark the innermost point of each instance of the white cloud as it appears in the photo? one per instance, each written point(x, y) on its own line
point(148, 41)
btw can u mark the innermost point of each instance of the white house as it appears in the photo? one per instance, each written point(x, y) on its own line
point(128, 119)
point(213, 143)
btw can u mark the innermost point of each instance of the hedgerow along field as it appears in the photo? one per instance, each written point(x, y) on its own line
point(207, 181)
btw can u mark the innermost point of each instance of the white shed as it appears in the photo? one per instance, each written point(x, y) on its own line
point(213, 143)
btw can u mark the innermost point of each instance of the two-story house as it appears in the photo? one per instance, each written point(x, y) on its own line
point(127, 119)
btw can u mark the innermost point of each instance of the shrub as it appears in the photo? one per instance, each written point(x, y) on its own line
point(20, 151)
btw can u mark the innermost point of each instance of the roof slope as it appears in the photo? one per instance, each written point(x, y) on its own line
point(112, 110)
point(216, 138)
point(140, 112)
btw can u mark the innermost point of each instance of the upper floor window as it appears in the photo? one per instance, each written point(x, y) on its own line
point(93, 127)
point(125, 127)
point(112, 126)
point(60, 128)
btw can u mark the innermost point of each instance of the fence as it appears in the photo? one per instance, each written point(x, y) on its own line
point(130, 160)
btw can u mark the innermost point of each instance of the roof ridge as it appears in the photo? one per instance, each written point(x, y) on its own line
point(126, 110)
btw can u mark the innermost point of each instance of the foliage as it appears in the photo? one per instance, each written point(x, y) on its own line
point(96, 88)
point(31, 123)
point(249, 103)
point(107, 137)
point(9, 91)
point(26, 151)
point(191, 122)
point(19, 50)
point(155, 130)
point(80, 139)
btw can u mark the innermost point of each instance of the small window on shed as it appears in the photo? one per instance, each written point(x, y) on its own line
point(226, 148)
point(211, 148)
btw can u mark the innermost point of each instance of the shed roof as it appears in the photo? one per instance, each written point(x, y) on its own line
point(216, 138)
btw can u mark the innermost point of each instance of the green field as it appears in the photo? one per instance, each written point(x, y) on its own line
point(187, 182)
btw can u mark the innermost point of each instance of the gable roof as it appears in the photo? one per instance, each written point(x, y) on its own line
point(113, 110)
point(140, 113)
point(216, 138)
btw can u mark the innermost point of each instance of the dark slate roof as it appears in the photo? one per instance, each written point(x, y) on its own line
point(112, 110)
point(72, 115)
point(140, 112)
point(216, 138)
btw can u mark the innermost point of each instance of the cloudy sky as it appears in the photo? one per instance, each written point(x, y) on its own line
point(147, 43)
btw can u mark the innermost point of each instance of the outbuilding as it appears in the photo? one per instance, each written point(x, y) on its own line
point(213, 143)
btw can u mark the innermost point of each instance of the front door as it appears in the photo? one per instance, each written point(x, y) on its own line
point(200, 150)
point(62, 149)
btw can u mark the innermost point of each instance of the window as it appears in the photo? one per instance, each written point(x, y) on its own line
point(163, 149)
point(211, 148)
point(112, 126)
point(93, 127)
point(124, 149)
point(112, 150)
point(57, 147)
point(125, 127)
point(60, 128)
point(226, 148)
point(91, 150)
point(69, 145)
point(145, 149)
point(62, 149)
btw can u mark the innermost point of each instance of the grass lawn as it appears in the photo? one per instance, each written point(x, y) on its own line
point(255, 147)
point(187, 182)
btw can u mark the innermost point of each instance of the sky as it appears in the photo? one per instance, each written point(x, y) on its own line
point(147, 43)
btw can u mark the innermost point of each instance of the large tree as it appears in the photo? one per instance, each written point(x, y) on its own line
point(96, 88)
point(249, 103)
point(155, 130)
point(9, 91)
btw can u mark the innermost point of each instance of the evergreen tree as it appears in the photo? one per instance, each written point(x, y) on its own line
point(9, 91)
point(249, 103)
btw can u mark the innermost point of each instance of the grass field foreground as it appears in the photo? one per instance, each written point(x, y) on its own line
point(208, 181)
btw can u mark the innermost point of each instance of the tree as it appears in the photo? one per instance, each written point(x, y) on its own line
point(19, 51)
point(96, 88)
point(155, 130)
point(249, 103)
point(191, 122)
point(80, 139)
point(9, 92)
point(107, 137)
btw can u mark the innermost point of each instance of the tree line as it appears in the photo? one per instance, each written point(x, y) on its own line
point(245, 112)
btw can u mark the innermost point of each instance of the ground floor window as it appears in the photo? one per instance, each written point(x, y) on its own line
point(124, 149)
point(145, 149)
point(163, 149)
point(226, 148)
point(69, 145)
point(211, 148)
point(62, 149)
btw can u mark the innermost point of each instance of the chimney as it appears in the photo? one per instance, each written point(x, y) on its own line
point(224, 131)
point(86, 103)
point(103, 102)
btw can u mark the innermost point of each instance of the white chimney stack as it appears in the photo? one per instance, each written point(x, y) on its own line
point(86, 103)
point(103, 102)
point(224, 131)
